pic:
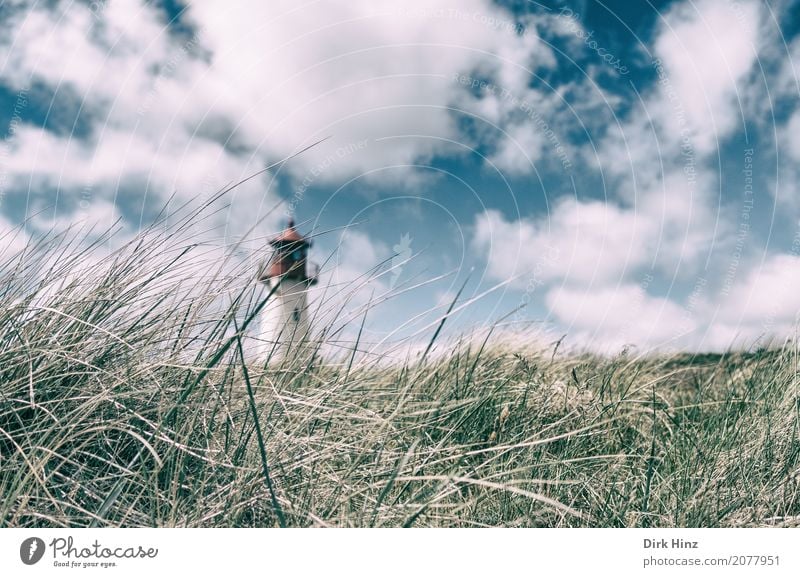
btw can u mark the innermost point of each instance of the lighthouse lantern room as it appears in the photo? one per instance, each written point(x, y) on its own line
point(287, 274)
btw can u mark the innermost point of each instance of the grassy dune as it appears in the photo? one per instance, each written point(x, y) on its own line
point(126, 400)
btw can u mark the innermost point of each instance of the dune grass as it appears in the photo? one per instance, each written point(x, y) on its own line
point(127, 398)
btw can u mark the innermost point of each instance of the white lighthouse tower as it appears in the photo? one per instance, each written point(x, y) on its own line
point(284, 319)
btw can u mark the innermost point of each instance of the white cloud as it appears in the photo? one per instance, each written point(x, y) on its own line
point(358, 70)
point(269, 78)
point(587, 255)
point(669, 229)
point(657, 165)
point(790, 136)
point(135, 85)
point(518, 150)
point(682, 223)
point(350, 277)
point(703, 52)
point(764, 304)
point(706, 47)
point(786, 81)
point(783, 184)
point(12, 240)
point(577, 242)
point(95, 218)
point(89, 173)
point(612, 317)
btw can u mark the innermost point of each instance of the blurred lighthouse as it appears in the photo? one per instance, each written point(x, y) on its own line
point(284, 319)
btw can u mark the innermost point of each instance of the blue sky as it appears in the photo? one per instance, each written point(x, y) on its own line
point(626, 170)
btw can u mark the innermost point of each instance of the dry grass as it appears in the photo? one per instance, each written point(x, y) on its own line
point(126, 400)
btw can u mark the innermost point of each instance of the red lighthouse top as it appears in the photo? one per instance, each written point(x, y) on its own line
point(289, 256)
point(289, 235)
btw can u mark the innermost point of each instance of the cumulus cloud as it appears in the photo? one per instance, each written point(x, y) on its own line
point(661, 213)
point(613, 317)
point(589, 242)
point(702, 54)
point(133, 82)
point(706, 48)
point(763, 306)
point(350, 277)
point(577, 242)
point(518, 150)
point(12, 239)
point(792, 134)
point(247, 84)
point(362, 70)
